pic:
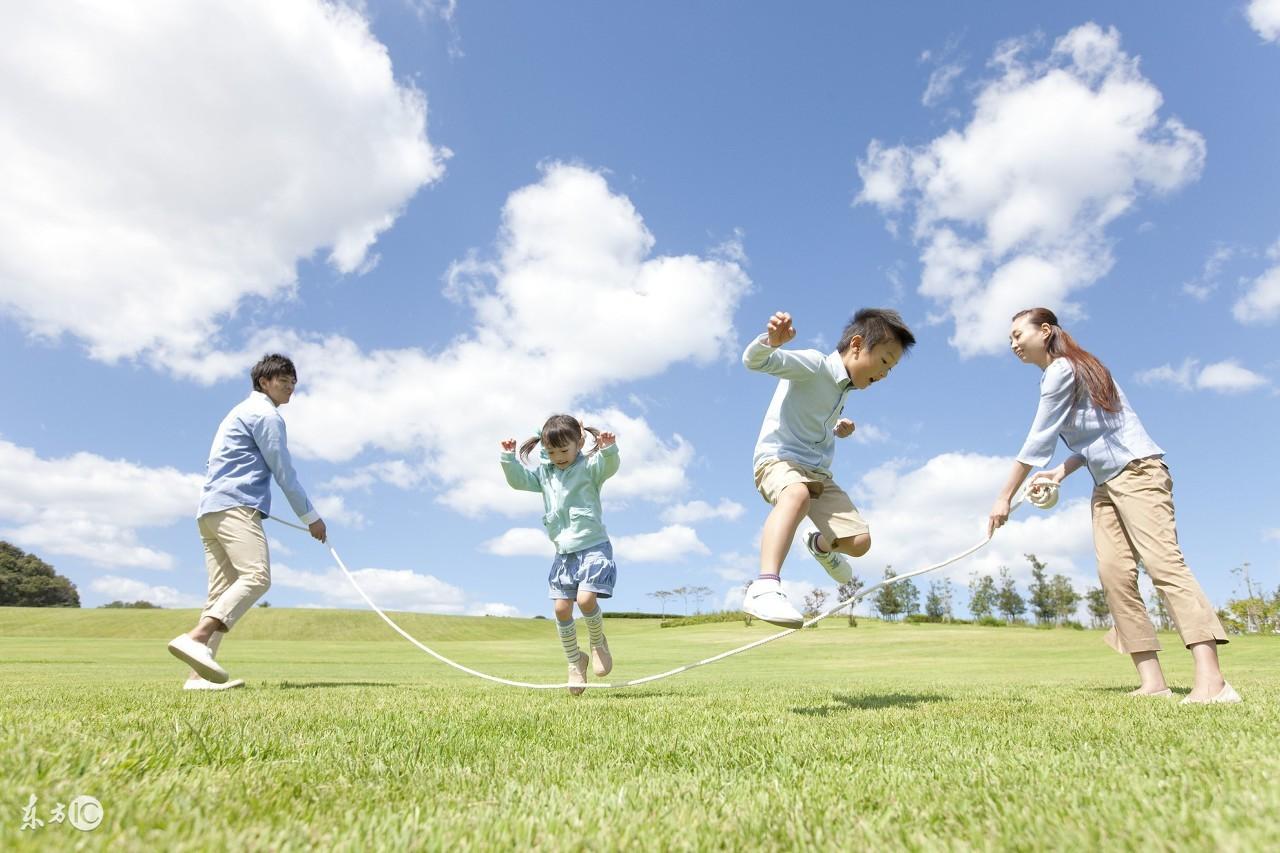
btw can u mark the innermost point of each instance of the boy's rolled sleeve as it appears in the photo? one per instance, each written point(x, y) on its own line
point(518, 476)
point(785, 364)
point(1057, 396)
point(604, 464)
point(272, 439)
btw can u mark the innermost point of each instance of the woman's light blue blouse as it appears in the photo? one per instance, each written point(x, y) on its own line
point(1108, 441)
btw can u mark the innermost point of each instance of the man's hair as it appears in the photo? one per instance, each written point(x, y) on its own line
point(271, 366)
point(875, 326)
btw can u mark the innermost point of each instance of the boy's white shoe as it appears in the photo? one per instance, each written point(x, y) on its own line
point(199, 657)
point(202, 684)
point(765, 600)
point(835, 564)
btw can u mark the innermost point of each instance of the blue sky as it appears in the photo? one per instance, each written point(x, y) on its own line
point(460, 219)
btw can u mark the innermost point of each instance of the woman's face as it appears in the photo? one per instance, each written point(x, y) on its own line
point(1029, 342)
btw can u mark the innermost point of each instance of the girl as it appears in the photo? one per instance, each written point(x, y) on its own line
point(583, 569)
point(1132, 503)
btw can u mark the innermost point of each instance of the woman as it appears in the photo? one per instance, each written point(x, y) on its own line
point(1132, 503)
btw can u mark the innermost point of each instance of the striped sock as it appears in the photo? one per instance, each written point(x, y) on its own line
point(569, 639)
point(595, 627)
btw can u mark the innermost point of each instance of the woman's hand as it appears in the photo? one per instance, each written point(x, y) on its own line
point(999, 515)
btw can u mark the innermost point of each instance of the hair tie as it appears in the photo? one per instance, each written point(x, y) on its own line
point(538, 433)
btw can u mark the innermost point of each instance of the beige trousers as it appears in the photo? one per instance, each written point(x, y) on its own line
point(235, 552)
point(1133, 523)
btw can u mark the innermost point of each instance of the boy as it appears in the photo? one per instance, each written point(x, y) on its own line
point(249, 449)
point(796, 447)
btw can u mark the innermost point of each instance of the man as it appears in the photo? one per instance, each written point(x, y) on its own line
point(249, 449)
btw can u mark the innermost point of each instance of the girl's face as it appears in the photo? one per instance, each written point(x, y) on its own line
point(1030, 342)
point(562, 457)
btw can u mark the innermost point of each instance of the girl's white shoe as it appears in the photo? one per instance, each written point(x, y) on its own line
point(1226, 696)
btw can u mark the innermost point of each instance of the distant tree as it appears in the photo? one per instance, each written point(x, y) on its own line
point(265, 603)
point(848, 590)
point(1008, 601)
point(1099, 613)
point(1253, 606)
point(683, 592)
point(747, 618)
point(1159, 611)
point(909, 595)
point(699, 593)
point(1040, 593)
point(982, 595)
point(28, 581)
point(130, 605)
point(662, 595)
point(937, 604)
point(887, 602)
point(814, 602)
point(1065, 598)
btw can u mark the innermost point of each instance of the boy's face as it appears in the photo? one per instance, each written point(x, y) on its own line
point(866, 366)
point(279, 388)
point(562, 457)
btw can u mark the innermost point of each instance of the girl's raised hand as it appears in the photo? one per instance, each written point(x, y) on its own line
point(779, 329)
point(509, 445)
point(607, 439)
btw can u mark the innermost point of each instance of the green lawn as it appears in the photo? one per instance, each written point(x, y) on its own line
point(886, 736)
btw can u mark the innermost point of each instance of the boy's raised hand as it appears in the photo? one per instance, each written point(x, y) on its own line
point(607, 439)
point(843, 428)
point(779, 329)
point(509, 445)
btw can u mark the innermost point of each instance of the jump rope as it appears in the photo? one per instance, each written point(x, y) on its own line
point(1040, 493)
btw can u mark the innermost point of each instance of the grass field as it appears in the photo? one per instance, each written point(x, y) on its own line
point(886, 736)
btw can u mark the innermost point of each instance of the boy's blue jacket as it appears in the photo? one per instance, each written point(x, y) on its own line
point(570, 498)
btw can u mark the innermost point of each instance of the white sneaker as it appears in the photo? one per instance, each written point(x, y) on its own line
point(202, 684)
point(835, 564)
point(765, 600)
point(199, 657)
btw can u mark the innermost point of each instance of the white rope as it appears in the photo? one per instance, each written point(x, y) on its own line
point(1041, 493)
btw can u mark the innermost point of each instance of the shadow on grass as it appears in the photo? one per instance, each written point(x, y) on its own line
point(843, 703)
point(308, 685)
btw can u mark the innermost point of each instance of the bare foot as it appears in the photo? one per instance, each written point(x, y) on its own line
point(1161, 690)
point(1205, 692)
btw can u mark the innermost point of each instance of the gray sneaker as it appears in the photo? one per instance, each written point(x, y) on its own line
point(835, 564)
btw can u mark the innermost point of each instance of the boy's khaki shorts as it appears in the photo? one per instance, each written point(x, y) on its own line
point(830, 509)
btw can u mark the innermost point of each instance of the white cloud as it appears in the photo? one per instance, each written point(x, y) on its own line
point(672, 543)
point(118, 588)
point(1227, 377)
point(869, 434)
point(695, 511)
point(390, 589)
point(940, 83)
point(567, 236)
point(1261, 303)
point(1011, 210)
point(334, 510)
point(520, 542)
point(89, 507)
point(1264, 17)
point(923, 515)
point(396, 472)
point(1271, 534)
point(1203, 286)
point(195, 150)
point(493, 608)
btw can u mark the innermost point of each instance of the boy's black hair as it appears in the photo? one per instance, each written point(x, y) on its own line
point(877, 325)
point(271, 366)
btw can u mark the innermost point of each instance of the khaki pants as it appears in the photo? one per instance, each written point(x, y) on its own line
point(1133, 523)
point(830, 509)
point(235, 552)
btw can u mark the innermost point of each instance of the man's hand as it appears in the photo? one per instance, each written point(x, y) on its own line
point(779, 329)
point(843, 428)
point(509, 445)
point(999, 515)
point(318, 530)
point(607, 439)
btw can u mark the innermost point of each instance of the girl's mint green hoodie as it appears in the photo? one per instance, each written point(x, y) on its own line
point(570, 498)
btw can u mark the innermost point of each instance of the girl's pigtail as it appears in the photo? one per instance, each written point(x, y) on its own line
point(527, 447)
point(595, 433)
